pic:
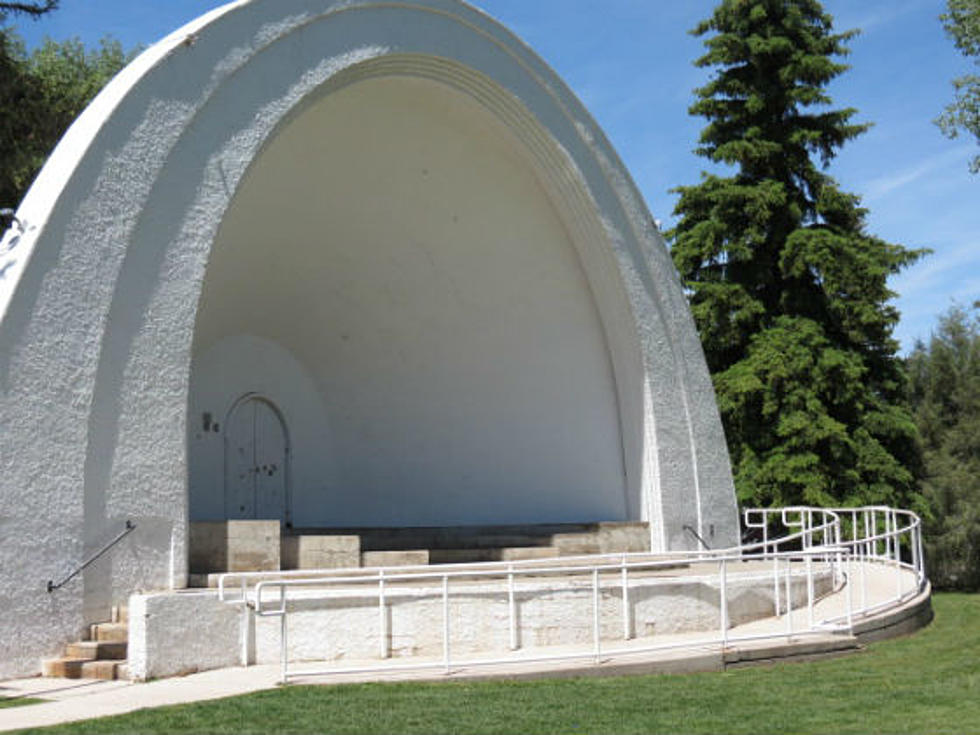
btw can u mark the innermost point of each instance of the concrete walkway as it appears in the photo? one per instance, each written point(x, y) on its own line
point(761, 641)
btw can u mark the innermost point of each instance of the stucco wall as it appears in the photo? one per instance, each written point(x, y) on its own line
point(393, 238)
point(343, 625)
point(100, 294)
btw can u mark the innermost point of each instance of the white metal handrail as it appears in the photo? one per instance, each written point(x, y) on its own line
point(877, 536)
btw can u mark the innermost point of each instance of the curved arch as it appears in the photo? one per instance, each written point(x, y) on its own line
point(100, 291)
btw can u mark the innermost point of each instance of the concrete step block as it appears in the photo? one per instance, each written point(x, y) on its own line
point(574, 544)
point(122, 670)
point(507, 540)
point(456, 537)
point(521, 553)
point(234, 546)
point(622, 537)
point(307, 551)
point(508, 553)
point(109, 632)
point(198, 579)
point(120, 614)
point(462, 556)
point(101, 670)
point(406, 558)
point(63, 667)
point(113, 650)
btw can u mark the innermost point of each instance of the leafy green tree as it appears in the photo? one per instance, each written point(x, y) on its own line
point(788, 289)
point(962, 23)
point(28, 8)
point(945, 379)
point(41, 93)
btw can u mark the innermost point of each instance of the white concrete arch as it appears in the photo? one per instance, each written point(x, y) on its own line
point(100, 288)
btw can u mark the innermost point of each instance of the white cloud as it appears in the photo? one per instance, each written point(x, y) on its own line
point(880, 187)
point(871, 19)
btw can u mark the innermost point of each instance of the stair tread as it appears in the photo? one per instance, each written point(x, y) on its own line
point(104, 650)
point(64, 667)
point(467, 537)
point(102, 669)
point(109, 632)
point(100, 657)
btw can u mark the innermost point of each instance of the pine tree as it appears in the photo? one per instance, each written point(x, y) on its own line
point(945, 377)
point(788, 289)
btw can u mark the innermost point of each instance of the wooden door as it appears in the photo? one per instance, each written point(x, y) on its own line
point(256, 453)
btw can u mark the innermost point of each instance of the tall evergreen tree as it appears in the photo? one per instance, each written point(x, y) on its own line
point(788, 289)
point(945, 377)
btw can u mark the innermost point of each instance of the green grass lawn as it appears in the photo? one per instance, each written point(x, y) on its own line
point(17, 701)
point(925, 683)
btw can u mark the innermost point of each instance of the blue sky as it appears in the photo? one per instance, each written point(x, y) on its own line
point(630, 61)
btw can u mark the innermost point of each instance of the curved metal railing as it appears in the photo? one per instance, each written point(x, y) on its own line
point(801, 545)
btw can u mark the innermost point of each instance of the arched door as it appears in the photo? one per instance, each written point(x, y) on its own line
point(256, 459)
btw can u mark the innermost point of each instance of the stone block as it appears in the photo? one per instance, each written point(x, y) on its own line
point(406, 558)
point(234, 546)
point(575, 544)
point(321, 551)
point(523, 553)
point(623, 537)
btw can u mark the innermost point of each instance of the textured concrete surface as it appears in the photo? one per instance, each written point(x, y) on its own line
point(100, 295)
point(321, 552)
point(341, 623)
point(235, 546)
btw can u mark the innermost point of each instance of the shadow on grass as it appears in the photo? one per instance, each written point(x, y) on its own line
point(6, 702)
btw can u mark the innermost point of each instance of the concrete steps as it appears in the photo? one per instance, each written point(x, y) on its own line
point(229, 549)
point(109, 632)
point(102, 656)
point(469, 537)
point(471, 544)
point(507, 553)
point(403, 558)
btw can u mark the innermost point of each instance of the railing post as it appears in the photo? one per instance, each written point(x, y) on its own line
point(382, 615)
point(245, 625)
point(775, 585)
point(897, 555)
point(850, 592)
point(864, 583)
point(839, 556)
point(914, 544)
point(789, 597)
point(723, 606)
point(283, 640)
point(809, 589)
point(922, 559)
point(596, 633)
point(245, 620)
point(445, 622)
point(512, 607)
point(889, 550)
point(627, 627)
